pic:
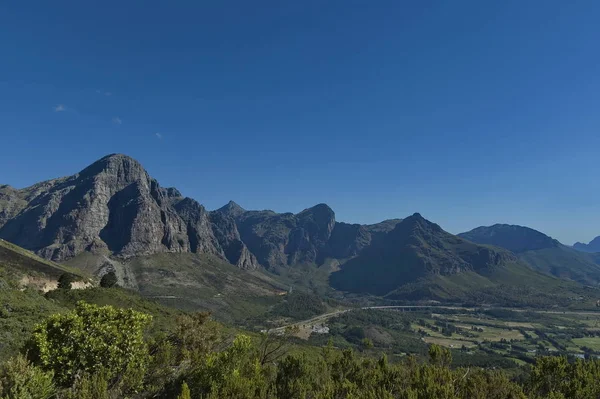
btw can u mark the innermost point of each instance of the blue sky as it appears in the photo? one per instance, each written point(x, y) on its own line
point(469, 112)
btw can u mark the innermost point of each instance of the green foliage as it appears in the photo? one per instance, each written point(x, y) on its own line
point(556, 377)
point(21, 380)
point(90, 386)
point(367, 343)
point(300, 305)
point(20, 311)
point(92, 339)
point(185, 392)
point(96, 352)
point(233, 373)
point(439, 356)
point(65, 281)
point(109, 280)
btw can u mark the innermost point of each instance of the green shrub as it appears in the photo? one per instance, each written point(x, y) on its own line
point(92, 339)
point(65, 281)
point(19, 379)
point(109, 280)
point(185, 392)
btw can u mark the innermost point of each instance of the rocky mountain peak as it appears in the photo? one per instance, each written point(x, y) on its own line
point(231, 209)
point(416, 225)
point(119, 166)
point(321, 216)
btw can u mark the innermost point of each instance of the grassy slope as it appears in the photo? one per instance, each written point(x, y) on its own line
point(201, 282)
point(18, 260)
point(20, 310)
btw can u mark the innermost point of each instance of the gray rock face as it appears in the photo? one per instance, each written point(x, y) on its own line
point(11, 203)
point(113, 207)
point(348, 240)
point(228, 237)
point(285, 239)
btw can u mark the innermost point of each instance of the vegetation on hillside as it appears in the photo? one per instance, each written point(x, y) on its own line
point(18, 261)
point(99, 352)
point(299, 306)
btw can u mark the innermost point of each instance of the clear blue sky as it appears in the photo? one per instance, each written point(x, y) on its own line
point(469, 112)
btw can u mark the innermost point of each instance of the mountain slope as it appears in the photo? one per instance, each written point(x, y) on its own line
point(415, 249)
point(592, 246)
point(540, 251)
point(19, 261)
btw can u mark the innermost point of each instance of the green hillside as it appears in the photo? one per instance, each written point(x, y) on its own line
point(18, 261)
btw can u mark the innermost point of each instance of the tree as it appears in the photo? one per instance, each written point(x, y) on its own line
point(109, 280)
point(272, 348)
point(65, 281)
point(92, 339)
point(439, 356)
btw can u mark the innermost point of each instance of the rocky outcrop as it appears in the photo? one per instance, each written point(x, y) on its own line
point(228, 237)
point(348, 240)
point(282, 239)
point(113, 206)
point(11, 203)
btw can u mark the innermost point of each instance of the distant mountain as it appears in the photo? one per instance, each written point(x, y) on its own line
point(540, 251)
point(419, 260)
point(416, 248)
point(113, 216)
point(514, 238)
point(113, 207)
point(592, 246)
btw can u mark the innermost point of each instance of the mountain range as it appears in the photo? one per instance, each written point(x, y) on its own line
point(114, 207)
point(112, 214)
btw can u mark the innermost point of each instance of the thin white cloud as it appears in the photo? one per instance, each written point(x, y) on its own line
point(158, 135)
point(60, 108)
point(104, 93)
point(117, 121)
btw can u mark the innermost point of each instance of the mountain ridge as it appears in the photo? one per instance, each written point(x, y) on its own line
point(592, 246)
point(541, 252)
point(114, 207)
point(416, 248)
